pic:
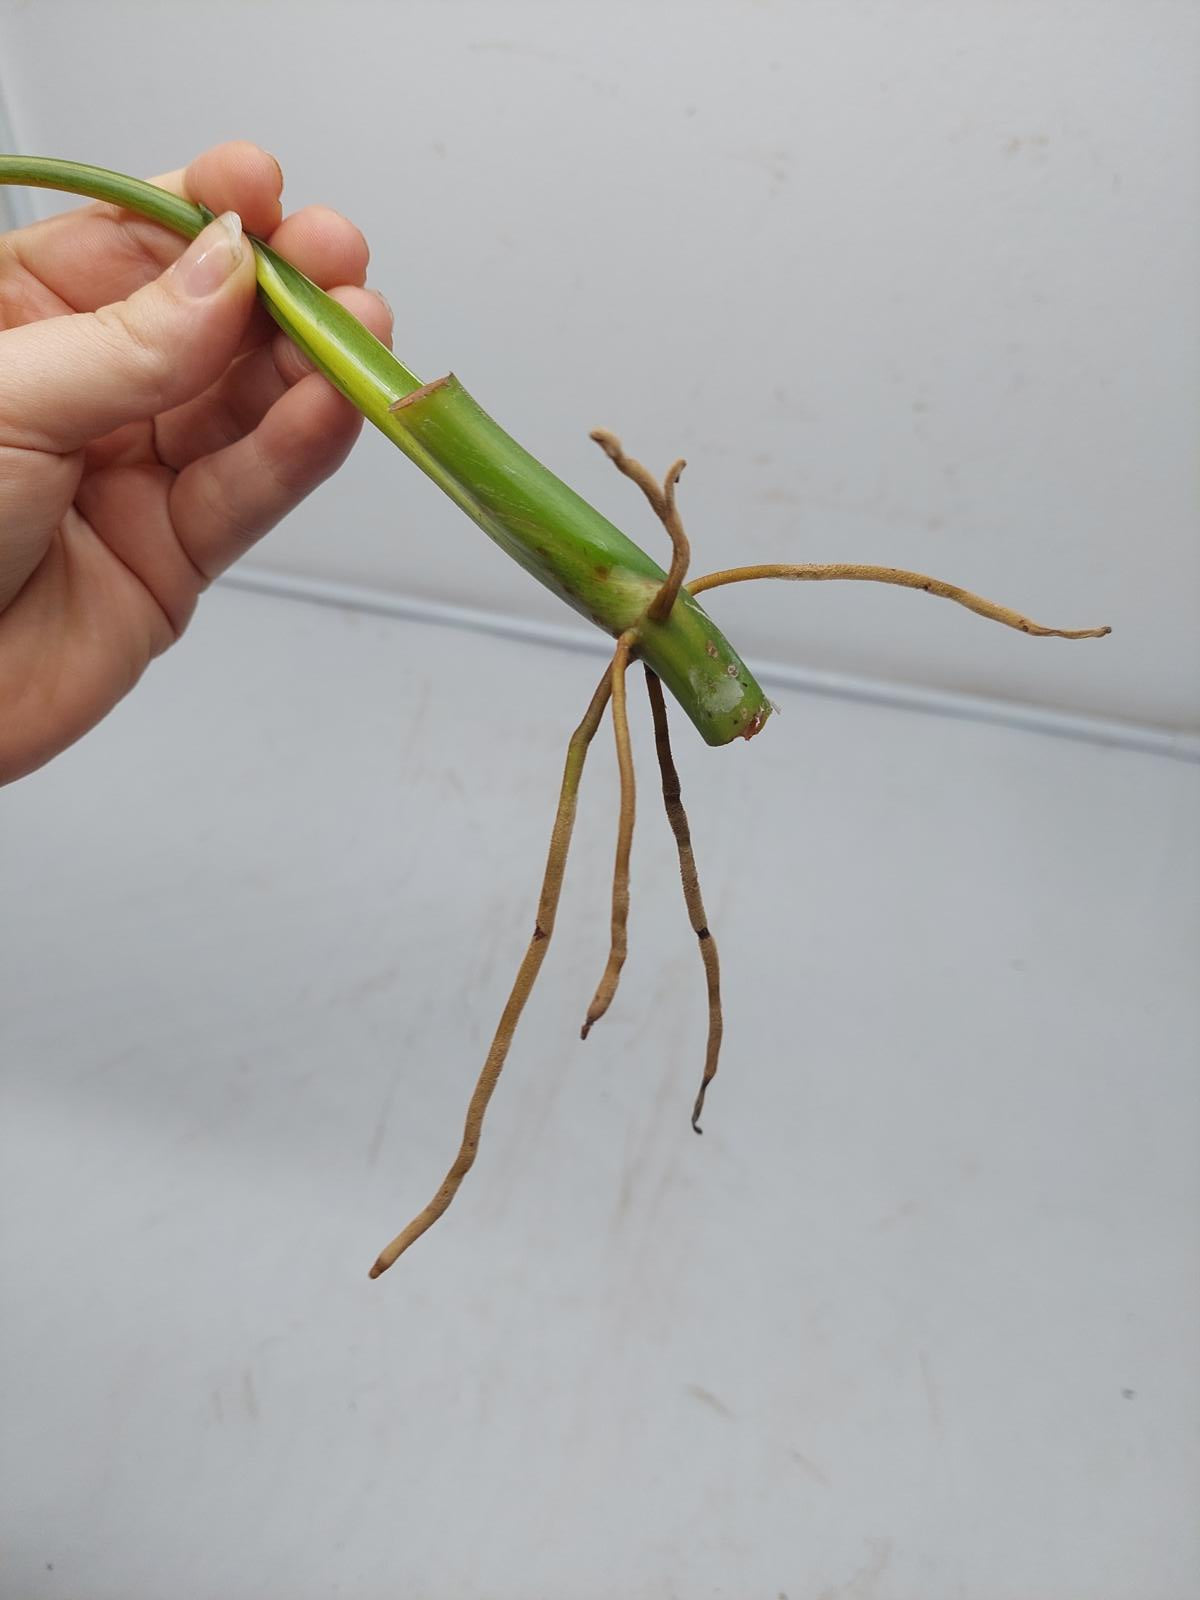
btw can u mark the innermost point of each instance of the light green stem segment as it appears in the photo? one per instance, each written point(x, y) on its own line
point(542, 524)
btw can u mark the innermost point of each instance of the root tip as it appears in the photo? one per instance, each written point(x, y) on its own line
point(608, 442)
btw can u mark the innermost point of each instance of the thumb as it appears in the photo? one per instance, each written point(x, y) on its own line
point(72, 379)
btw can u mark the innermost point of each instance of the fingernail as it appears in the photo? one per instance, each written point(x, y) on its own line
point(379, 295)
point(211, 256)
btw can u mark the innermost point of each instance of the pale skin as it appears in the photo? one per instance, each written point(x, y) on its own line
point(154, 424)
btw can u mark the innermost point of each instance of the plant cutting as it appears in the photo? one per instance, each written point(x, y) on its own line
point(651, 611)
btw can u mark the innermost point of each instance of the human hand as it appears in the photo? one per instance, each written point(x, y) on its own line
point(148, 439)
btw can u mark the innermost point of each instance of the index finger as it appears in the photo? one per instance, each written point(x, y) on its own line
point(99, 254)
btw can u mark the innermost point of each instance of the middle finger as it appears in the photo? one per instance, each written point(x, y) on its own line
point(243, 395)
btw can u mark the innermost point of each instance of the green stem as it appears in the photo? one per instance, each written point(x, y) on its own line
point(541, 523)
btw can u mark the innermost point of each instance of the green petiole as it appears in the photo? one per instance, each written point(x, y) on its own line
point(556, 536)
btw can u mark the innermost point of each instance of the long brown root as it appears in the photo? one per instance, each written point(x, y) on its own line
point(556, 862)
point(619, 942)
point(897, 575)
point(677, 817)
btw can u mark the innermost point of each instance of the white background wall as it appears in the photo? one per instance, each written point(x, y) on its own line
point(909, 283)
point(918, 1318)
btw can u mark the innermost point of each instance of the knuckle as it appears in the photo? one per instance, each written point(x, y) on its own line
point(127, 332)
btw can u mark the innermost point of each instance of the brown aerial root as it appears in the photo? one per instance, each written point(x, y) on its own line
point(677, 817)
point(906, 580)
point(556, 861)
point(662, 503)
point(619, 942)
point(613, 686)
